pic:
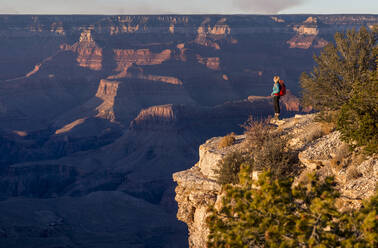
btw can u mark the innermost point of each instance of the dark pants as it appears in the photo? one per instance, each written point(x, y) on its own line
point(276, 103)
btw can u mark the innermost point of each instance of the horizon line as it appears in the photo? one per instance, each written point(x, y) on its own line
point(177, 14)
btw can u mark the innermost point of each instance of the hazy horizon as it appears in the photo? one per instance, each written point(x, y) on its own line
point(178, 14)
point(180, 7)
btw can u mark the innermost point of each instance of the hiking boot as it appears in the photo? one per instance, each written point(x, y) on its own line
point(276, 116)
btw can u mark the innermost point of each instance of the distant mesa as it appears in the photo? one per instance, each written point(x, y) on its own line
point(89, 54)
point(139, 57)
point(311, 19)
point(156, 117)
point(125, 28)
point(277, 19)
point(207, 35)
point(57, 27)
point(126, 58)
point(307, 35)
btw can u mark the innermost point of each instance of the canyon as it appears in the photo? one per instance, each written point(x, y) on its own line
point(98, 112)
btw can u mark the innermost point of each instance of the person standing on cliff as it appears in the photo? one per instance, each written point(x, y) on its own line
point(276, 97)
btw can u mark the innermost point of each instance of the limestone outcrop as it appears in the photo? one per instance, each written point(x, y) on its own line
point(197, 189)
point(356, 177)
point(320, 150)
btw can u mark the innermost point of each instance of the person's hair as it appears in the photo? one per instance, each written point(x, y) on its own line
point(276, 79)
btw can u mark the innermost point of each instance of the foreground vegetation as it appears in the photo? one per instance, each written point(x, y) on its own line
point(275, 214)
point(271, 212)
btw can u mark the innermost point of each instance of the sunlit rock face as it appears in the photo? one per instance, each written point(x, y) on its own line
point(89, 55)
point(207, 35)
point(125, 58)
point(107, 91)
point(98, 112)
point(307, 35)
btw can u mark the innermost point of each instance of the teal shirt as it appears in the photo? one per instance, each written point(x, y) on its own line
point(276, 89)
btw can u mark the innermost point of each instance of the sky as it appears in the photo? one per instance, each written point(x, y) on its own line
point(188, 6)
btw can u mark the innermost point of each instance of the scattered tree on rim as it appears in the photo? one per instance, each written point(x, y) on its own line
point(345, 80)
point(358, 118)
point(339, 68)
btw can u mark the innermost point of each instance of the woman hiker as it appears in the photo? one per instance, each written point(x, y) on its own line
point(276, 97)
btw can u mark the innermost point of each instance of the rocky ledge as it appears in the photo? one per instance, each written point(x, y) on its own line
point(319, 149)
point(197, 189)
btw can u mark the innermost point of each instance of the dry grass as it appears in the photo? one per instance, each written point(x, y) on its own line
point(312, 134)
point(227, 140)
point(354, 160)
point(353, 173)
point(327, 127)
point(317, 130)
point(336, 164)
point(256, 131)
point(268, 149)
point(328, 116)
point(229, 168)
point(358, 158)
point(341, 158)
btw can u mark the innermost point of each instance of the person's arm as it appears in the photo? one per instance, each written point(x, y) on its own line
point(276, 89)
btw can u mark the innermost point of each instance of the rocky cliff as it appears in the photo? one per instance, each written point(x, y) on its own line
point(319, 150)
point(89, 54)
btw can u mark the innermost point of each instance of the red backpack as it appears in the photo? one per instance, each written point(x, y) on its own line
point(282, 88)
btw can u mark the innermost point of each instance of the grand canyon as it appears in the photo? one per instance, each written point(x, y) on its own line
point(98, 112)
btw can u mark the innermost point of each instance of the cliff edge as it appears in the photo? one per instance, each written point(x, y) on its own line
point(319, 148)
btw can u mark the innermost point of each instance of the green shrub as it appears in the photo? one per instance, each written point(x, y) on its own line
point(275, 214)
point(339, 67)
point(256, 131)
point(358, 119)
point(229, 168)
point(227, 140)
point(345, 81)
point(268, 150)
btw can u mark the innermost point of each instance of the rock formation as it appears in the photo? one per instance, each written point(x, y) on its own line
point(307, 35)
point(88, 53)
point(323, 153)
point(107, 91)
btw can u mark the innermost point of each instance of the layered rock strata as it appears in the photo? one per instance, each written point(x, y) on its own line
point(89, 54)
